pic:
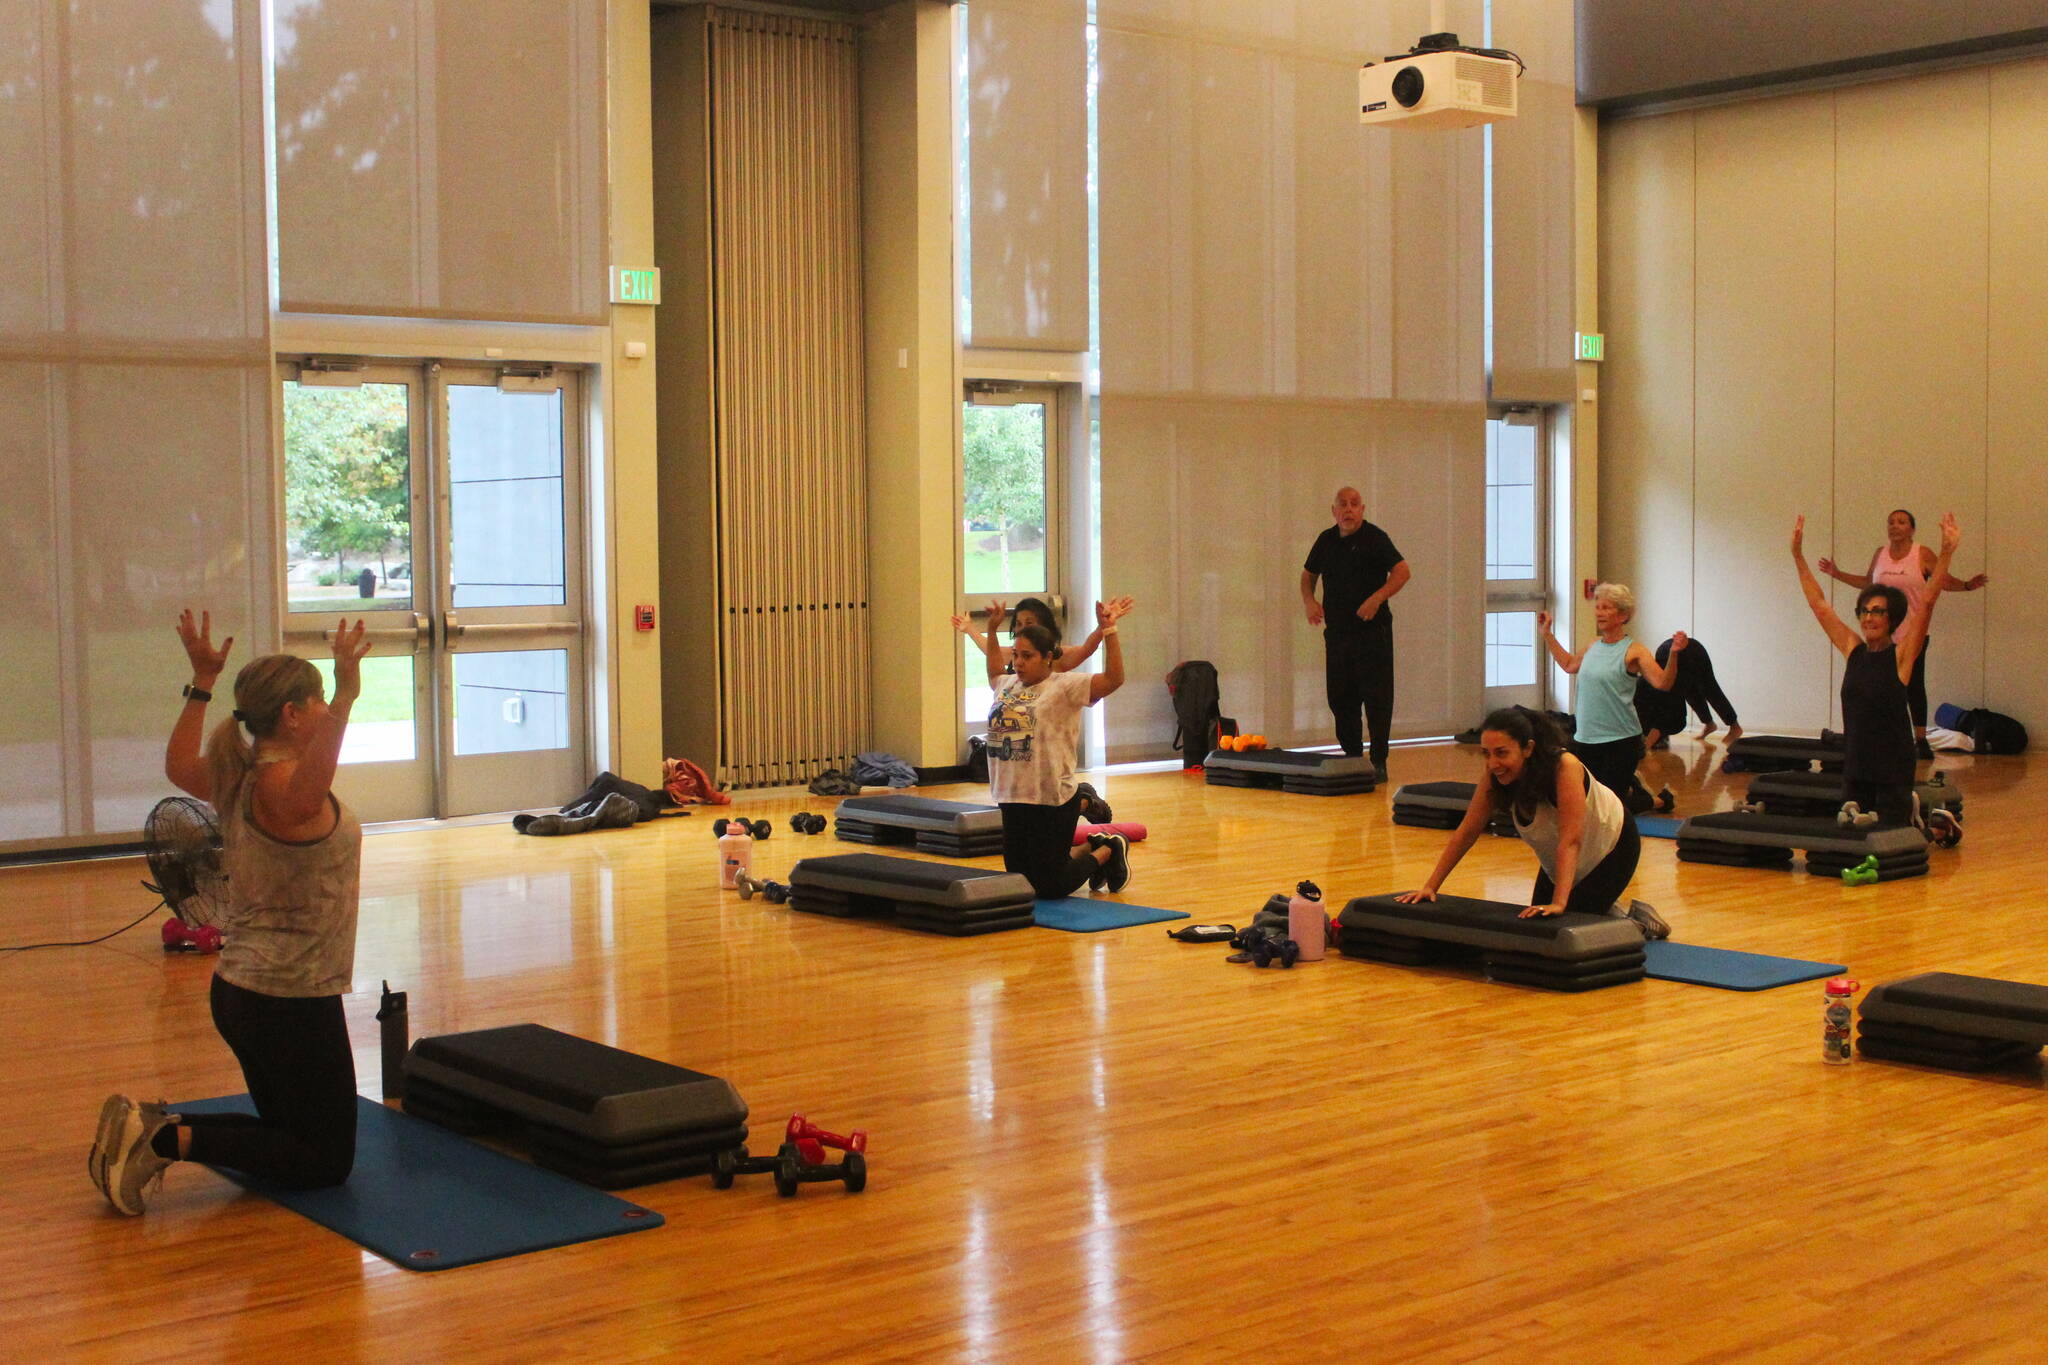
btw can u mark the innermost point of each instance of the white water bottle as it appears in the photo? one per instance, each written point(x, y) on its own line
point(1306, 923)
point(735, 853)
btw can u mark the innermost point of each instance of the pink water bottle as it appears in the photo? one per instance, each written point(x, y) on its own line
point(1306, 923)
point(735, 853)
point(1836, 1049)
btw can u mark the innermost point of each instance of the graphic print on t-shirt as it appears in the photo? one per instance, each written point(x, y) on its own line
point(1010, 724)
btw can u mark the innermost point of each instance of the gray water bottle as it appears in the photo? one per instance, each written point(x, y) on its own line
point(395, 1030)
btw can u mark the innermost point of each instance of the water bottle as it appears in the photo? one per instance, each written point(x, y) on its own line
point(1836, 1048)
point(735, 853)
point(1306, 923)
point(394, 1030)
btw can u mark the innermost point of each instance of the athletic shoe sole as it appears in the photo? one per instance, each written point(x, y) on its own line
point(132, 1167)
point(113, 1111)
point(1118, 870)
point(1648, 920)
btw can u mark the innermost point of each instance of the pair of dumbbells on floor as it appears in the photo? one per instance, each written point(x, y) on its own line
point(800, 1160)
point(775, 893)
point(1264, 947)
point(803, 822)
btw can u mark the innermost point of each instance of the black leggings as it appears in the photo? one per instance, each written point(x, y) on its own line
point(1038, 841)
point(1613, 763)
point(1596, 892)
point(295, 1057)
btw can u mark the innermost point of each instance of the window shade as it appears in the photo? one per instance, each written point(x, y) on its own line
point(134, 386)
point(1027, 73)
point(1290, 303)
point(442, 158)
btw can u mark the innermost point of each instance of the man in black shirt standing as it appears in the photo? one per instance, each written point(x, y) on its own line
point(1360, 569)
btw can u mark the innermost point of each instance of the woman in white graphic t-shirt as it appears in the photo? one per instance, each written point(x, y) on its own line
point(1034, 724)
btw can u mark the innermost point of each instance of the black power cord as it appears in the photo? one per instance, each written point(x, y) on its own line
point(88, 942)
point(1448, 42)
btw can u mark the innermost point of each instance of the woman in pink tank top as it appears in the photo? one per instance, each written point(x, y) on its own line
point(1901, 563)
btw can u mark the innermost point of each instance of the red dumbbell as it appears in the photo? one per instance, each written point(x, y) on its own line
point(812, 1140)
point(180, 937)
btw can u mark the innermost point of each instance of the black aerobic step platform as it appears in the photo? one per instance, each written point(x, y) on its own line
point(1569, 952)
point(1784, 753)
point(1744, 839)
point(1442, 805)
point(1301, 771)
point(1958, 1023)
point(950, 829)
point(920, 895)
point(601, 1115)
point(1801, 793)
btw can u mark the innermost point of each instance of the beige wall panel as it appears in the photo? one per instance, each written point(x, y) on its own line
point(680, 193)
point(1194, 465)
point(913, 390)
point(1147, 302)
point(1646, 384)
point(1142, 468)
point(31, 704)
point(26, 206)
point(1340, 345)
point(1242, 209)
point(1437, 320)
point(633, 720)
point(1911, 187)
point(1427, 490)
point(1027, 92)
point(348, 132)
point(1763, 417)
point(2009, 544)
point(1532, 208)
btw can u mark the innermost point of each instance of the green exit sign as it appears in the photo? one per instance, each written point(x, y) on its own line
point(636, 284)
point(1592, 346)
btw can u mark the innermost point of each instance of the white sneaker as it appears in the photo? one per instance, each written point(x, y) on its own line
point(113, 1114)
point(1648, 920)
point(132, 1167)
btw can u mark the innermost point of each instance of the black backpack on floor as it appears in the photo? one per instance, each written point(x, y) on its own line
point(1198, 713)
point(1993, 732)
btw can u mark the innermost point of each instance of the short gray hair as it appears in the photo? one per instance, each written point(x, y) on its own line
point(1619, 596)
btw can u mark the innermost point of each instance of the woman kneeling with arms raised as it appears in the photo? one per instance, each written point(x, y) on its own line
point(1571, 821)
point(1034, 729)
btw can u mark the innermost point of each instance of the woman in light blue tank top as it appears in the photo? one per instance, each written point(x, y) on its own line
point(1609, 734)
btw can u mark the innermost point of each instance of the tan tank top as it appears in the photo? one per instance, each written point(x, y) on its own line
point(290, 928)
point(1601, 833)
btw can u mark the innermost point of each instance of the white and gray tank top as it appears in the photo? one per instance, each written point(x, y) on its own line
point(290, 927)
point(1602, 832)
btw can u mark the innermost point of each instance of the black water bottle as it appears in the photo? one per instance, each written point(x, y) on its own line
point(395, 1030)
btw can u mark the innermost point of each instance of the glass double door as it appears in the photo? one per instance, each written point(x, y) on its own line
point(442, 505)
point(1009, 504)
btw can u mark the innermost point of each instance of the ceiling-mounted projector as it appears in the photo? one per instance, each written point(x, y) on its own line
point(1440, 85)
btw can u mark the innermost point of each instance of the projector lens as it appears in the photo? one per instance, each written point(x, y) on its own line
point(1408, 87)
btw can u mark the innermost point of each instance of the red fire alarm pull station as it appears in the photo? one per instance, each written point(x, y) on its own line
point(1591, 584)
point(643, 617)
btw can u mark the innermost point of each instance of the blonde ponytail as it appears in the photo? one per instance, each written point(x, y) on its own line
point(262, 690)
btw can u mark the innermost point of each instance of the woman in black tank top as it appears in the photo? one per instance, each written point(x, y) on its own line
point(1877, 727)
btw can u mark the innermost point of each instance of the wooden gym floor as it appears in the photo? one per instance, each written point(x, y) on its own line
point(1099, 1147)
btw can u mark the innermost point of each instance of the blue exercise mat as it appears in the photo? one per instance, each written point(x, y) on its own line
point(1729, 970)
point(1079, 915)
point(427, 1199)
point(1657, 826)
